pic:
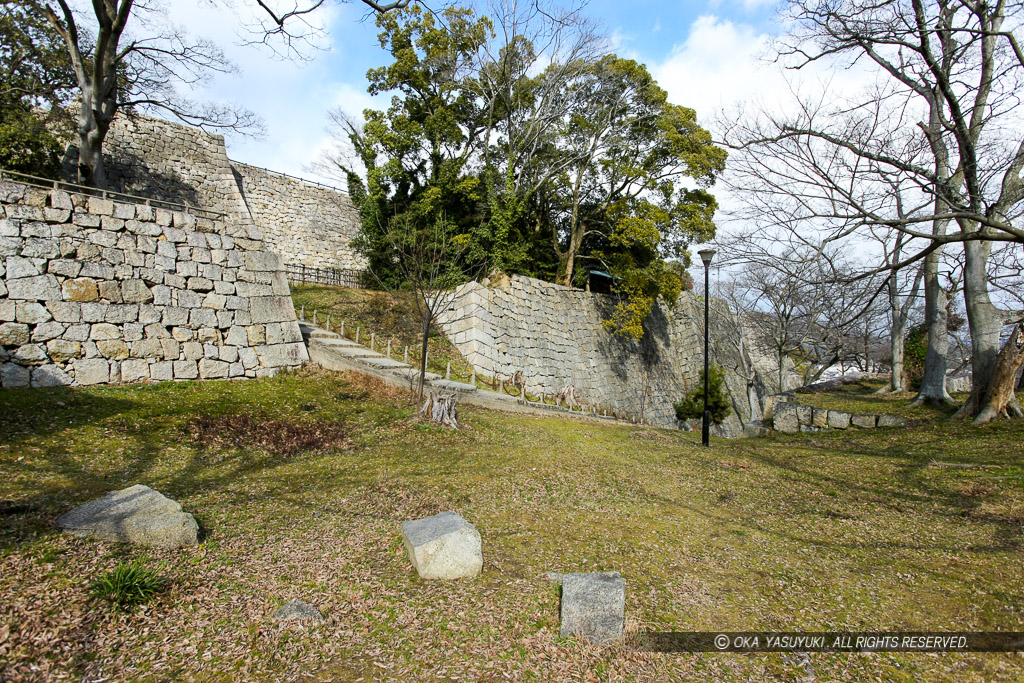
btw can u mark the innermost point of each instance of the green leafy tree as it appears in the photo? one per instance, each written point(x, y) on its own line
point(692, 405)
point(36, 81)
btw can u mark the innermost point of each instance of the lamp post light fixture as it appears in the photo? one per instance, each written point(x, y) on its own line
point(705, 433)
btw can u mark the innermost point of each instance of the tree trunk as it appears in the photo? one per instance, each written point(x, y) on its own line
point(985, 321)
point(933, 384)
point(897, 378)
point(423, 360)
point(92, 131)
point(999, 399)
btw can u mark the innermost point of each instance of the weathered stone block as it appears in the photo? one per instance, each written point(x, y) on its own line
point(91, 371)
point(891, 421)
point(47, 331)
point(262, 260)
point(114, 349)
point(212, 369)
point(38, 288)
point(282, 355)
point(14, 376)
point(820, 418)
point(162, 371)
point(101, 207)
point(136, 292)
point(62, 351)
point(593, 606)
point(18, 267)
point(30, 354)
point(50, 376)
point(297, 610)
point(134, 370)
point(785, 418)
point(186, 369)
point(805, 414)
point(864, 421)
point(13, 334)
point(271, 309)
point(80, 289)
point(137, 514)
point(838, 419)
point(444, 546)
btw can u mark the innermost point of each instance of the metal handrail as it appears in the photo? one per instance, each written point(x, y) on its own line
point(47, 183)
point(294, 177)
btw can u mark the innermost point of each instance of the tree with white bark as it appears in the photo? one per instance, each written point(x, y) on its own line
point(934, 152)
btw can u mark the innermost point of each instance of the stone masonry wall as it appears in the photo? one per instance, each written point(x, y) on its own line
point(159, 159)
point(555, 336)
point(93, 291)
point(306, 224)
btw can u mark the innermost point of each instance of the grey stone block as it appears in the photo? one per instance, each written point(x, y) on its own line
point(805, 414)
point(13, 376)
point(443, 546)
point(271, 309)
point(891, 421)
point(297, 610)
point(137, 514)
point(838, 419)
point(864, 421)
point(50, 376)
point(13, 334)
point(91, 371)
point(212, 369)
point(38, 288)
point(593, 606)
point(785, 418)
point(185, 369)
point(282, 355)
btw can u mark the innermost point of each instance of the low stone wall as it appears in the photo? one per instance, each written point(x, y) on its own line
point(790, 417)
point(93, 291)
point(555, 336)
point(306, 224)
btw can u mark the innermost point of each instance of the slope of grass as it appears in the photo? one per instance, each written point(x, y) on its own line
point(384, 314)
point(916, 529)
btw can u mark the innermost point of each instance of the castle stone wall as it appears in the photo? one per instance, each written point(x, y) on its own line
point(159, 159)
point(307, 224)
point(93, 291)
point(555, 336)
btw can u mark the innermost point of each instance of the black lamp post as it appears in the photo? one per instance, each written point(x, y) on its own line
point(705, 434)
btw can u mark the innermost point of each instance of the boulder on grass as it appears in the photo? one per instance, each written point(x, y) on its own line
point(593, 606)
point(444, 546)
point(297, 610)
point(137, 514)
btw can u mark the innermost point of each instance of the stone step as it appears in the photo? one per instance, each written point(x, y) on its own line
point(452, 386)
point(351, 351)
point(336, 341)
point(385, 363)
point(415, 373)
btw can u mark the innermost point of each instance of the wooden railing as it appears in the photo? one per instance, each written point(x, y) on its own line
point(341, 277)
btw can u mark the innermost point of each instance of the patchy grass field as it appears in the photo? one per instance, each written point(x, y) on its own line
point(861, 397)
point(300, 483)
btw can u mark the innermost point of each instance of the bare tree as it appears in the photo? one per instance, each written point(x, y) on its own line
point(116, 70)
point(429, 259)
point(941, 124)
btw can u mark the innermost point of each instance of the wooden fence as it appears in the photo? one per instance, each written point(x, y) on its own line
point(341, 277)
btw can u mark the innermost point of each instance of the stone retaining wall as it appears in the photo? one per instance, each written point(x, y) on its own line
point(555, 336)
point(306, 224)
point(93, 291)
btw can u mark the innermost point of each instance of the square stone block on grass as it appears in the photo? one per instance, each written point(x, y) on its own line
point(444, 546)
point(593, 606)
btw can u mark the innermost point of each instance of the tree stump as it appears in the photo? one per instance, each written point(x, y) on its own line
point(440, 409)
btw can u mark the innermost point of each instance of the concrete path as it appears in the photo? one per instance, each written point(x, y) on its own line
point(334, 352)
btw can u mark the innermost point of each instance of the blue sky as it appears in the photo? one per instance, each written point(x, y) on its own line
point(705, 54)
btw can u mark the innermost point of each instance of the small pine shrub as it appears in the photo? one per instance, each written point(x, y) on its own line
point(129, 584)
point(692, 405)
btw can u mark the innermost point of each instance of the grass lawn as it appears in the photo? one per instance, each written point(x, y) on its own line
point(300, 483)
